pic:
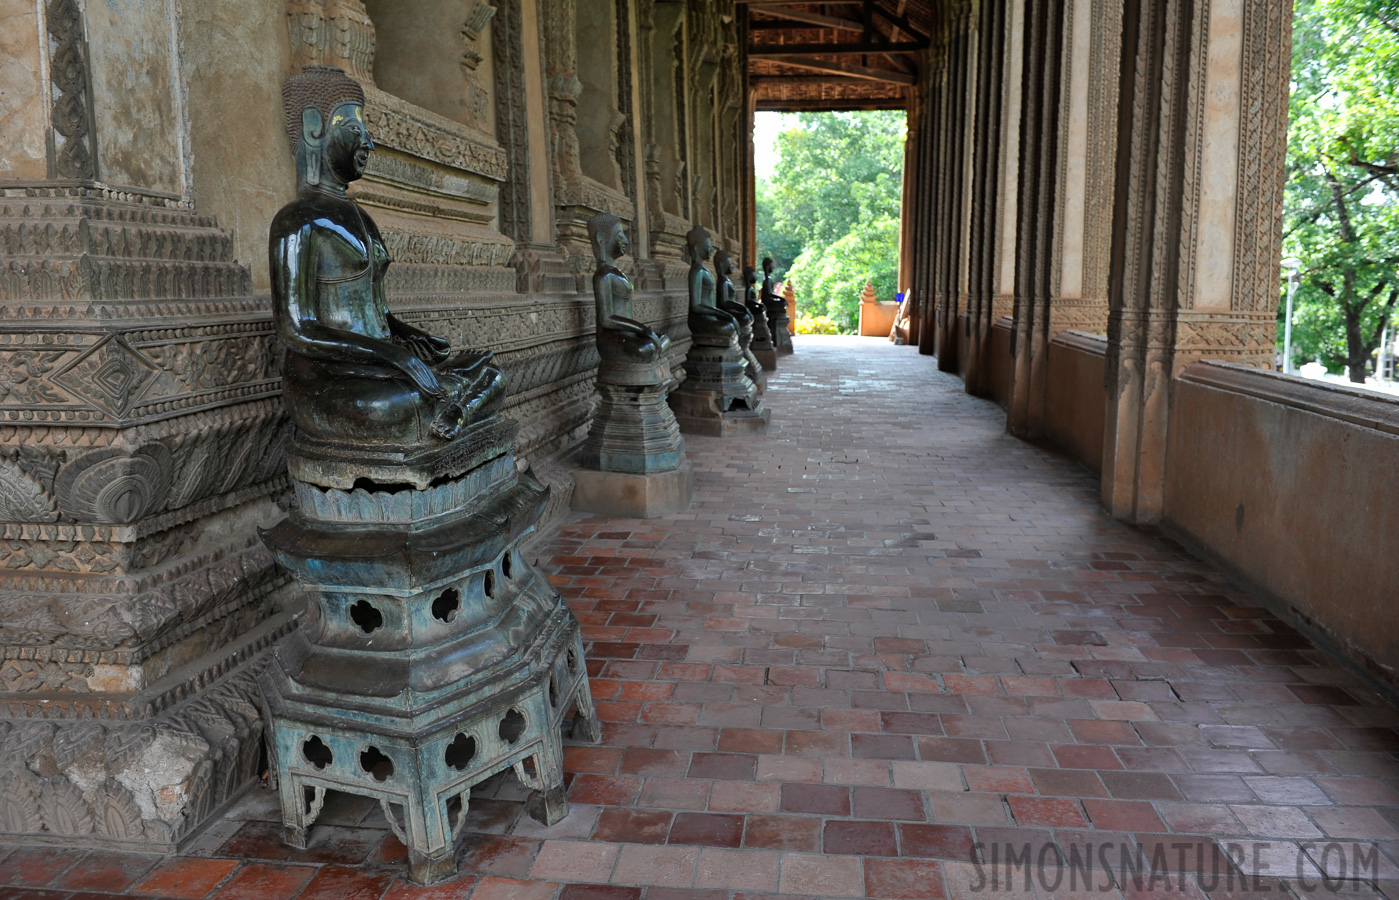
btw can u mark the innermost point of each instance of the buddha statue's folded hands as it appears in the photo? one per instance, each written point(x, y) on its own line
point(355, 374)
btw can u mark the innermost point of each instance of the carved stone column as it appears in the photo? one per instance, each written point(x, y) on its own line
point(1070, 162)
point(1087, 165)
point(141, 434)
point(985, 200)
point(1039, 194)
point(1197, 221)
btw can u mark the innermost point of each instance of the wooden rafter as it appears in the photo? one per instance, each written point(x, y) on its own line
point(809, 18)
point(764, 51)
point(901, 21)
point(840, 68)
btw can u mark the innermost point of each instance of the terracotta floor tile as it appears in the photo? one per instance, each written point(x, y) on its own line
point(604, 790)
point(103, 870)
point(801, 833)
point(636, 826)
point(745, 870)
point(1054, 812)
point(819, 799)
point(728, 766)
point(937, 841)
point(875, 630)
point(821, 876)
point(645, 761)
point(903, 878)
point(589, 861)
point(489, 854)
point(35, 866)
point(599, 892)
point(1123, 815)
point(513, 889)
point(888, 803)
point(662, 866)
point(266, 881)
point(860, 838)
point(187, 878)
point(707, 829)
point(1140, 786)
point(257, 840)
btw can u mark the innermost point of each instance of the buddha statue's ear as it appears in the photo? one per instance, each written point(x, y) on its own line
point(312, 137)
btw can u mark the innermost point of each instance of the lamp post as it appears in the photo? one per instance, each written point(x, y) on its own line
point(1293, 265)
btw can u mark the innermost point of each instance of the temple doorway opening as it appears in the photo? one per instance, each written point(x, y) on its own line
point(828, 191)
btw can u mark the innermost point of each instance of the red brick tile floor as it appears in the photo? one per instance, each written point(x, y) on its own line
point(890, 652)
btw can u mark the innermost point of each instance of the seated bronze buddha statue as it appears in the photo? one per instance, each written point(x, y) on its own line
point(620, 338)
point(727, 295)
point(710, 326)
point(355, 374)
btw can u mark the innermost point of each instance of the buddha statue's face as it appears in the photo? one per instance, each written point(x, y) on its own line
point(767, 266)
point(619, 242)
point(347, 143)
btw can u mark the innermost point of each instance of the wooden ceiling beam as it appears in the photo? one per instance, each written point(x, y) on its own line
point(809, 18)
point(834, 105)
point(764, 51)
point(901, 21)
point(839, 68)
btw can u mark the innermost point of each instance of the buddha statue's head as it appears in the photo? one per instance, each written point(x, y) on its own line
point(750, 276)
point(700, 244)
point(608, 237)
point(723, 266)
point(325, 124)
point(767, 265)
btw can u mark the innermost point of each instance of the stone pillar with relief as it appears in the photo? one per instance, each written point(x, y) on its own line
point(432, 655)
point(143, 441)
point(633, 462)
point(717, 398)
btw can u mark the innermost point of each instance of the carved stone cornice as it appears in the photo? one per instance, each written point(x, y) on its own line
point(332, 33)
point(399, 125)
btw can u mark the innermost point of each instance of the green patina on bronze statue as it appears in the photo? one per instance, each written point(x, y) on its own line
point(709, 325)
point(620, 337)
point(355, 373)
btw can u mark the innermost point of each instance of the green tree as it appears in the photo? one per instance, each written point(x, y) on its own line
point(783, 246)
point(1342, 202)
point(831, 208)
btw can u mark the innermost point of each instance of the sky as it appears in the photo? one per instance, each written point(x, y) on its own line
point(766, 127)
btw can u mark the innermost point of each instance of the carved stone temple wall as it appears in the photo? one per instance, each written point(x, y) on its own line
point(142, 434)
point(1102, 180)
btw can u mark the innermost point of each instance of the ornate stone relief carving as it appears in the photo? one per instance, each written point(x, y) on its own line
point(71, 113)
point(476, 22)
point(96, 780)
point(332, 33)
point(1262, 156)
point(512, 122)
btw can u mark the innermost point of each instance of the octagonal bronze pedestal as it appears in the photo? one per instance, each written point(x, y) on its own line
point(432, 655)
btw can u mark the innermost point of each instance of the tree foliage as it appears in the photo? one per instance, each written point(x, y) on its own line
point(1342, 203)
point(833, 205)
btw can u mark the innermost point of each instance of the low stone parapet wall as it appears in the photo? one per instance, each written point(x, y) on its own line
point(1294, 485)
point(1074, 396)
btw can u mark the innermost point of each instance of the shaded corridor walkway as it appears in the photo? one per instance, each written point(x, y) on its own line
point(884, 634)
